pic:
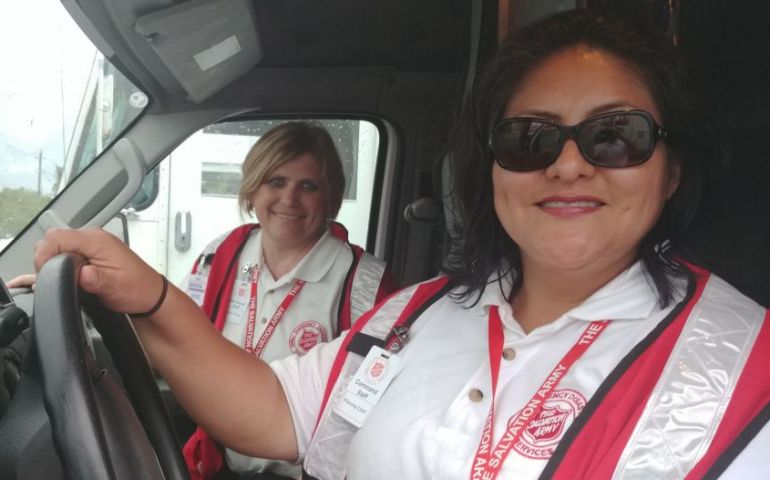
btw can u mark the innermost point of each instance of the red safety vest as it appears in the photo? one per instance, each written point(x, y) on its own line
point(202, 455)
point(593, 445)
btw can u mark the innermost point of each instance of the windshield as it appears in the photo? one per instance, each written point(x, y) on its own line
point(61, 104)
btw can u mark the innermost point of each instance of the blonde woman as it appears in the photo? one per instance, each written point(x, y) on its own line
point(291, 281)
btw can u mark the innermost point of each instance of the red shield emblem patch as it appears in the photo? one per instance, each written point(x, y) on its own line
point(377, 370)
point(307, 335)
point(549, 425)
point(543, 434)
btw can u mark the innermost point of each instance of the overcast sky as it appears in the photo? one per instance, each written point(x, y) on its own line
point(46, 62)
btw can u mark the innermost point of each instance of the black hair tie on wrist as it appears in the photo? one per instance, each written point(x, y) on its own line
point(157, 306)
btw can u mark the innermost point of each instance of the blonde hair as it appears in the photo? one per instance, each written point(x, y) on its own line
point(285, 143)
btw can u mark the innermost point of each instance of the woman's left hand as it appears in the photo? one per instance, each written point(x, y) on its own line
point(26, 280)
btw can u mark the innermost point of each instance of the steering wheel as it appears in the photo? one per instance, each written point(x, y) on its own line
point(99, 431)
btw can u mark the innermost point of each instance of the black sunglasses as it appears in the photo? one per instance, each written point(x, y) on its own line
point(611, 140)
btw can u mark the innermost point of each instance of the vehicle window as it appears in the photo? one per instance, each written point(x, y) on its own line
point(61, 104)
point(147, 192)
point(196, 190)
point(220, 178)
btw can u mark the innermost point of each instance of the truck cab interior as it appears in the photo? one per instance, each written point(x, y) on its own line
point(172, 69)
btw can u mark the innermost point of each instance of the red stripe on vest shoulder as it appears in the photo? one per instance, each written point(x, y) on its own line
point(339, 231)
point(344, 319)
point(220, 279)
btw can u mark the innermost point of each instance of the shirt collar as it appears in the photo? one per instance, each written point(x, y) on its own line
point(496, 291)
point(628, 296)
point(314, 264)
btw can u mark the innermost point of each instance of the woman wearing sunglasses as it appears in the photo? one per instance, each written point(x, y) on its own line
point(568, 339)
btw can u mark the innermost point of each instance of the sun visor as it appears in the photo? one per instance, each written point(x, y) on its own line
point(205, 44)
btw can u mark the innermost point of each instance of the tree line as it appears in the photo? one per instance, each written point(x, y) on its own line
point(17, 207)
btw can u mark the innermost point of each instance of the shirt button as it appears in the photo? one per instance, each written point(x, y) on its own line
point(476, 395)
point(270, 292)
point(509, 354)
point(264, 320)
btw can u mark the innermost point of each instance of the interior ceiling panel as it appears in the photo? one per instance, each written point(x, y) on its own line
point(729, 47)
point(427, 35)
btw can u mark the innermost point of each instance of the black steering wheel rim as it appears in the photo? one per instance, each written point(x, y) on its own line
point(99, 431)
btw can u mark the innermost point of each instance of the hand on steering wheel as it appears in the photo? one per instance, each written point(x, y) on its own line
point(98, 431)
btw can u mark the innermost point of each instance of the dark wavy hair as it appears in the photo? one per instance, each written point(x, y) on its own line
point(479, 247)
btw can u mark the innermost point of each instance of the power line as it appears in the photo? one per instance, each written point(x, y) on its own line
point(27, 153)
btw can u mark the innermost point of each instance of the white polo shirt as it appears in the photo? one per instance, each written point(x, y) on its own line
point(429, 421)
point(311, 317)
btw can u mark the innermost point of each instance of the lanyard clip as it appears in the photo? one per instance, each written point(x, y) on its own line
point(247, 271)
point(204, 264)
point(401, 334)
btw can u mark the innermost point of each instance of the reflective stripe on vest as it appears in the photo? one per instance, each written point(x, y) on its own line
point(366, 282)
point(688, 402)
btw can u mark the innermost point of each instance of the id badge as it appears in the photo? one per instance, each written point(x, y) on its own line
point(196, 287)
point(239, 302)
point(367, 386)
